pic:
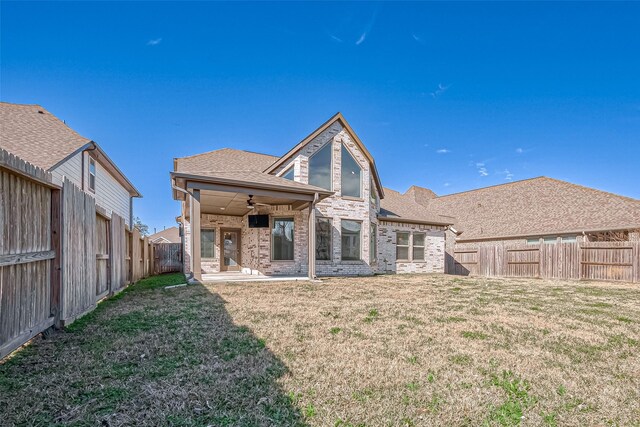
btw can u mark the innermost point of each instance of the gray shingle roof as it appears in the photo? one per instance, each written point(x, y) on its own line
point(225, 159)
point(535, 207)
point(238, 165)
point(402, 206)
point(37, 136)
point(172, 234)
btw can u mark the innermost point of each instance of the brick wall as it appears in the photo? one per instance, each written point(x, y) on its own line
point(434, 249)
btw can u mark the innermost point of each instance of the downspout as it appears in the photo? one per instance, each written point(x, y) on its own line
point(131, 212)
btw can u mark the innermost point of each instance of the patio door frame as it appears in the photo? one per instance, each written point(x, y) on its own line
point(238, 265)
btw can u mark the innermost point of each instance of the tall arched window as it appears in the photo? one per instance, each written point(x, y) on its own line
point(320, 168)
point(351, 172)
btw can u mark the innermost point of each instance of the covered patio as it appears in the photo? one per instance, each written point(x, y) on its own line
point(215, 215)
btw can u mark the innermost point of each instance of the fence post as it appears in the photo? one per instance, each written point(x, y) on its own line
point(56, 263)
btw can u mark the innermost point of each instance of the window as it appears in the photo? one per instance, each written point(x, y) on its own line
point(402, 245)
point(351, 240)
point(350, 174)
point(323, 239)
point(550, 240)
point(373, 243)
point(533, 241)
point(282, 239)
point(92, 175)
point(418, 246)
point(207, 243)
point(320, 168)
point(290, 174)
point(372, 192)
point(569, 239)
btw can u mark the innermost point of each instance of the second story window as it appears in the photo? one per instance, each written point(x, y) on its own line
point(320, 168)
point(290, 174)
point(92, 175)
point(350, 173)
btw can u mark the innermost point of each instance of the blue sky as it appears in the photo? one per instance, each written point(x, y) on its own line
point(450, 96)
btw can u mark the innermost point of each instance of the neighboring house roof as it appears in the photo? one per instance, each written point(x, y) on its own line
point(37, 136)
point(40, 138)
point(168, 235)
point(535, 207)
point(337, 117)
point(399, 207)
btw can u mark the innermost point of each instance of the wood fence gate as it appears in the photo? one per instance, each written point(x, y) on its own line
point(167, 257)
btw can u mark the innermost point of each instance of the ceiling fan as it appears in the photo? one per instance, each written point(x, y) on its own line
point(251, 203)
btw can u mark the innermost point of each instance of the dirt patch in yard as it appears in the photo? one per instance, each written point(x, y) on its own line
point(388, 350)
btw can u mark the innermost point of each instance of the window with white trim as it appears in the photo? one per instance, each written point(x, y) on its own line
point(92, 174)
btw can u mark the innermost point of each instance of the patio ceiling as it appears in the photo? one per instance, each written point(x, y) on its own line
point(226, 194)
point(235, 203)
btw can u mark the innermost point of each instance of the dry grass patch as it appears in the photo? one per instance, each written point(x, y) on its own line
point(389, 350)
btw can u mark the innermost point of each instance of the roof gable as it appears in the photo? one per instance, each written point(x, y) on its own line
point(338, 117)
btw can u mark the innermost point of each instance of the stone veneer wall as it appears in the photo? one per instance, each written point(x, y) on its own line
point(434, 248)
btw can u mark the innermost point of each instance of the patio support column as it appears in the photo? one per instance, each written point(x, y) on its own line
point(195, 235)
point(312, 238)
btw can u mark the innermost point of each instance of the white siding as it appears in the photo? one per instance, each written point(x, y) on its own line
point(109, 194)
point(72, 169)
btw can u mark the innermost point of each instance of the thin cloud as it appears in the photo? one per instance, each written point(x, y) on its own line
point(336, 38)
point(440, 90)
point(521, 150)
point(443, 151)
point(446, 184)
point(367, 28)
point(154, 42)
point(417, 38)
point(508, 176)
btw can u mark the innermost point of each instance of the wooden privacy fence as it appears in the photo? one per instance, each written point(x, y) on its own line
point(29, 251)
point(59, 252)
point(617, 261)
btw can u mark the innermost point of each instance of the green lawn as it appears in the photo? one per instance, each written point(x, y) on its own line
point(388, 350)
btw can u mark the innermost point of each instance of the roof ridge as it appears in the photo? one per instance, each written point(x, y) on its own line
point(224, 148)
point(492, 186)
